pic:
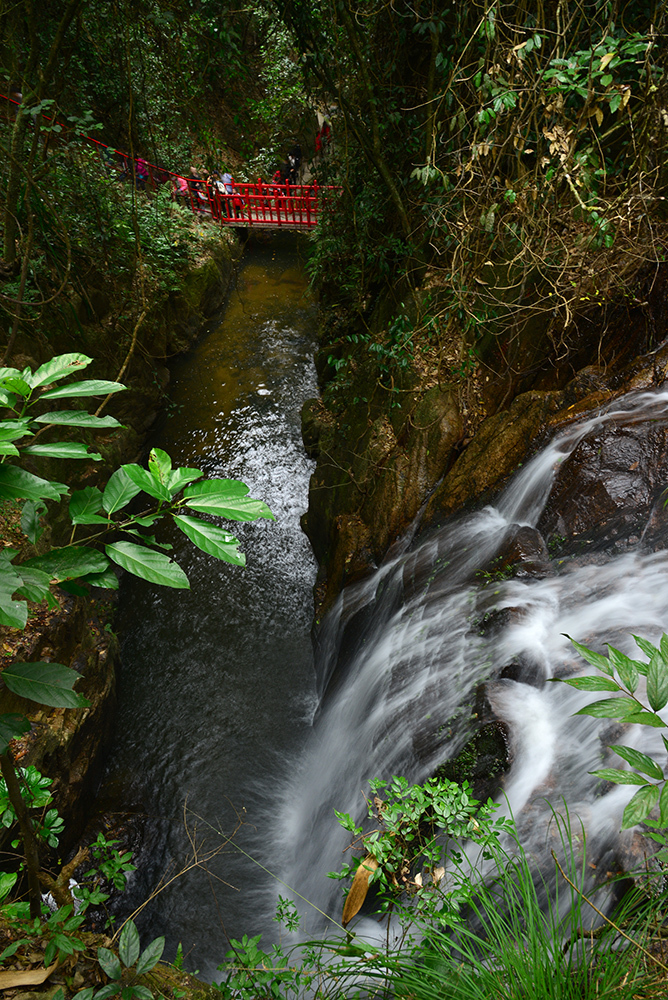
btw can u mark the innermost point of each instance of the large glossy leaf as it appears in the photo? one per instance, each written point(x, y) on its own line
point(146, 482)
point(211, 539)
point(91, 387)
point(17, 484)
point(47, 683)
point(160, 466)
point(15, 384)
point(128, 944)
point(85, 504)
point(640, 806)
point(226, 498)
point(7, 448)
point(63, 449)
point(12, 727)
point(75, 418)
point(646, 646)
point(119, 491)
point(657, 682)
point(57, 368)
point(69, 563)
point(639, 760)
point(147, 564)
point(12, 613)
point(150, 956)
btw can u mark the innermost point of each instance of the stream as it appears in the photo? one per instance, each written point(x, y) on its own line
point(226, 721)
point(216, 691)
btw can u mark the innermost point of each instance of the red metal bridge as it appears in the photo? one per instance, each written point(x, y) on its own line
point(258, 205)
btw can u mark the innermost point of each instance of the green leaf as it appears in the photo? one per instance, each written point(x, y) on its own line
point(47, 683)
point(619, 777)
point(147, 564)
point(625, 667)
point(7, 448)
point(663, 646)
point(108, 580)
point(610, 708)
point(63, 449)
point(12, 613)
point(150, 956)
point(119, 491)
point(31, 526)
point(17, 484)
point(15, 384)
point(639, 760)
point(85, 504)
point(663, 806)
point(57, 368)
point(75, 418)
point(146, 482)
point(109, 962)
point(12, 727)
point(141, 992)
point(7, 879)
point(645, 719)
point(181, 477)
point(69, 563)
point(596, 659)
point(10, 430)
point(35, 585)
point(92, 387)
point(640, 806)
point(159, 465)
point(657, 682)
point(226, 498)
point(211, 539)
point(589, 683)
point(646, 646)
point(128, 944)
point(110, 990)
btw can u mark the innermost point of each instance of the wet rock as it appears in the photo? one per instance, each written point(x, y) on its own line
point(502, 443)
point(609, 485)
point(524, 670)
point(483, 761)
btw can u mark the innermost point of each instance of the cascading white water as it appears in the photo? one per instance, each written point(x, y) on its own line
point(420, 655)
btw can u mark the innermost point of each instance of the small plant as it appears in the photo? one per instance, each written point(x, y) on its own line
point(35, 792)
point(125, 968)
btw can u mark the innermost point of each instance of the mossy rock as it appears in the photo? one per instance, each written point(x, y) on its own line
point(482, 761)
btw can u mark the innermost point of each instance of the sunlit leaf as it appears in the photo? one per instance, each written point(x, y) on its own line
point(47, 683)
point(147, 564)
point(226, 498)
point(625, 667)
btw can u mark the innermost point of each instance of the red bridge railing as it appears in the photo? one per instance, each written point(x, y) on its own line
point(260, 204)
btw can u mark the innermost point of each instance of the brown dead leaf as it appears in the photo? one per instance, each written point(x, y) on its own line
point(359, 888)
point(26, 977)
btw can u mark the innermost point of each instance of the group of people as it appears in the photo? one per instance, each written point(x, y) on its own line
point(209, 192)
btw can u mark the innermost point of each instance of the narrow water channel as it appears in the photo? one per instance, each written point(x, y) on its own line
point(217, 690)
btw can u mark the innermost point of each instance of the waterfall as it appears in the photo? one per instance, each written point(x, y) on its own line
point(403, 653)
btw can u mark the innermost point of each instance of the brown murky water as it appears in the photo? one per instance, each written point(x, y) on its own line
point(216, 692)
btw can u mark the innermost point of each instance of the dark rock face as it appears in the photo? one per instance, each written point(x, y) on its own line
point(609, 485)
point(373, 476)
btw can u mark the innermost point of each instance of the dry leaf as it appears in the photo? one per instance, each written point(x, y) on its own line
point(608, 57)
point(27, 977)
point(359, 888)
